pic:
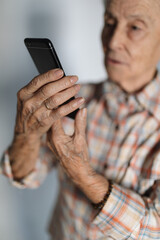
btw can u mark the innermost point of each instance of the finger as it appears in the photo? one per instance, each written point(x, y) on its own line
point(67, 108)
point(61, 97)
point(40, 119)
point(33, 103)
point(38, 82)
point(52, 103)
point(43, 118)
point(80, 123)
point(57, 129)
point(51, 89)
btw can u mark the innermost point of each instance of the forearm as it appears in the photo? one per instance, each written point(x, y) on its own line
point(44, 163)
point(94, 186)
point(23, 154)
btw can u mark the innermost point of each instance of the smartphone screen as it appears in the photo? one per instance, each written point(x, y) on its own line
point(44, 57)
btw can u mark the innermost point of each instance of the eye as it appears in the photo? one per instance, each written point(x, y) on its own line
point(109, 22)
point(109, 25)
point(136, 31)
point(135, 28)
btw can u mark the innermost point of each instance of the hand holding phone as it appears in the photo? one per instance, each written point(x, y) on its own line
point(40, 104)
point(45, 58)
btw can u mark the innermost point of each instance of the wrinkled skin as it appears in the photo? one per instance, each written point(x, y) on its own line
point(34, 119)
point(131, 36)
point(131, 41)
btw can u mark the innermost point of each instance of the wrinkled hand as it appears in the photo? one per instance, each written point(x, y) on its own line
point(39, 105)
point(40, 102)
point(72, 151)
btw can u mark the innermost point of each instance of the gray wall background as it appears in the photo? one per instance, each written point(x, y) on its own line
point(74, 26)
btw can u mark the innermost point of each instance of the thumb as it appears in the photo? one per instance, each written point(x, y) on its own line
point(81, 122)
point(57, 128)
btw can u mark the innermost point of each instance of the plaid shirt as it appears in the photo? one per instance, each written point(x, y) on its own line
point(123, 134)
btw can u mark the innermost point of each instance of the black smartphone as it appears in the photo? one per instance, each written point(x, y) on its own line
point(45, 58)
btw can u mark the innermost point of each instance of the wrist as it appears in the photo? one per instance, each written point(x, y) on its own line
point(95, 187)
point(101, 204)
point(22, 146)
point(29, 138)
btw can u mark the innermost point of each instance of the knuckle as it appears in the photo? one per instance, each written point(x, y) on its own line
point(28, 108)
point(67, 83)
point(60, 112)
point(44, 116)
point(20, 95)
point(42, 124)
point(50, 74)
point(43, 91)
point(39, 120)
point(54, 101)
point(36, 120)
point(70, 107)
point(56, 114)
point(35, 81)
point(47, 75)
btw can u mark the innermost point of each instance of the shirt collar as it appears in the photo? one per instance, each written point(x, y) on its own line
point(120, 104)
point(149, 97)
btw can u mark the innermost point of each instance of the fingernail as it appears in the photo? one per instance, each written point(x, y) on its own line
point(77, 87)
point(80, 101)
point(74, 79)
point(59, 73)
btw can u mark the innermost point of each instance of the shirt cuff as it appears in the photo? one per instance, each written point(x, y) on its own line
point(122, 214)
point(33, 180)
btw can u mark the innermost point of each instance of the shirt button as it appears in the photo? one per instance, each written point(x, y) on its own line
point(126, 98)
point(105, 165)
point(117, 126)
point(150, 114)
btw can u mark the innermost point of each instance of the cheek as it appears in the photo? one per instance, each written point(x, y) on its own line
point(144, 55)
point(137, 55)
point(155, 54)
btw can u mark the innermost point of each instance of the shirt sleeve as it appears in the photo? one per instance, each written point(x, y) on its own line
point(45, 162)
point(128, 215)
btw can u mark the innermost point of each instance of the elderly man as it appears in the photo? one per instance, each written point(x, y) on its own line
point(110, 175)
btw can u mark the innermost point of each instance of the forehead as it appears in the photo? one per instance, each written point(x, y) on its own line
point(126, 8)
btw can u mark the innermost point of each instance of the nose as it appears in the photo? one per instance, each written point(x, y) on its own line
point(117, 39)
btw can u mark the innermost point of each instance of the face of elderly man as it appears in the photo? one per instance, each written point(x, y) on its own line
point(131, 41)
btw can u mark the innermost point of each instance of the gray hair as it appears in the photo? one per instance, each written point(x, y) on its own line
point(156, 1)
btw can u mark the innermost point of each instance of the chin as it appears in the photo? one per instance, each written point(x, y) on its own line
point(119, 77)
point(116, 75)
